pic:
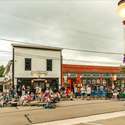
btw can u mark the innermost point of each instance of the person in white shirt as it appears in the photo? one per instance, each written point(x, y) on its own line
point(83, 92)
point(88, 91)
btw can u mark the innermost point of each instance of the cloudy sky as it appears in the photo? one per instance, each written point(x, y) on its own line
point(91, 25)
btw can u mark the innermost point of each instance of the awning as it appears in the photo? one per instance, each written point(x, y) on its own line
point(38, 80)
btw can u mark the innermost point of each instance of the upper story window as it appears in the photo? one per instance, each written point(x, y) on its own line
point(49, 64)
point(27, 64)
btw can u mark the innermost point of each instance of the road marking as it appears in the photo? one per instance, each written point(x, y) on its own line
point(85, 119)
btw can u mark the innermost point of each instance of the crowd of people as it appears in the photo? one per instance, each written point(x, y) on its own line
point(48, 95)
point(95, 91)
point(15, 97)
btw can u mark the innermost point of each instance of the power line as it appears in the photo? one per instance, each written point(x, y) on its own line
point(65, 48)
point(92, 51)
point(4, 51)
point(64, 59)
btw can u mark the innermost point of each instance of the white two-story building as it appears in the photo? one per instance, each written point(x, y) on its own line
point(36, 66)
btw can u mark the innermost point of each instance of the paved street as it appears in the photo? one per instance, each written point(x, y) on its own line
point(64, 110)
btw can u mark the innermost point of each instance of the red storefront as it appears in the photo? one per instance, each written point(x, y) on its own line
point(90, 74)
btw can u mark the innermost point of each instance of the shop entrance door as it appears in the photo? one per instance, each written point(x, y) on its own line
point(39, 84)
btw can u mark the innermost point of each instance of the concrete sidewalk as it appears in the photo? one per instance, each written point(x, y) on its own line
point(60, 104)
point(82, 102)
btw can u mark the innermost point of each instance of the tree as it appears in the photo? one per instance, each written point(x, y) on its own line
point(2, 68)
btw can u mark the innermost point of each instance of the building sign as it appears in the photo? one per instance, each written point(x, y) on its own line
point(39, 73)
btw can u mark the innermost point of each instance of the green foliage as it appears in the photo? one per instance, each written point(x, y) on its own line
point(2, 68)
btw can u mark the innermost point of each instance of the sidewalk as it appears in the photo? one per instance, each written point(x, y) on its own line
point(81, 102)
point(59, 105)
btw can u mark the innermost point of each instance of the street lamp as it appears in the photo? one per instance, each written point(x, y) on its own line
point(121, 13)
point(121, 8)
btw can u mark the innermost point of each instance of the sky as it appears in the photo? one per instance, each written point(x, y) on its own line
point(91, 25)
